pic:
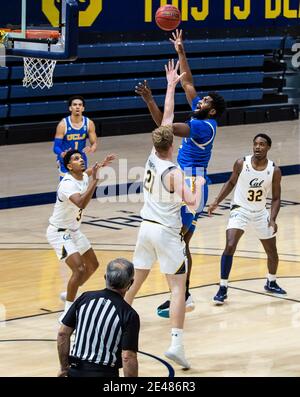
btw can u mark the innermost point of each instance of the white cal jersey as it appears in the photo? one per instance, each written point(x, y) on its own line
point(253, 186)
point(67, 215)
point(160, 205)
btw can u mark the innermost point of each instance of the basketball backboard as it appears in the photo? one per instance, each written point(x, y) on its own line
point(31, 35)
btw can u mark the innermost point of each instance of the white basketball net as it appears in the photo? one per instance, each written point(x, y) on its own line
point(38, 72)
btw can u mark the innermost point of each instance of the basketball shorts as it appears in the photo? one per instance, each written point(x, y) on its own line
point(159, 243)
point(240, 218)
point(66, 243)
point(189, 218)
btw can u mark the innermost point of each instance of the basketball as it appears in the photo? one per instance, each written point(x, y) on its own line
point(167, 17)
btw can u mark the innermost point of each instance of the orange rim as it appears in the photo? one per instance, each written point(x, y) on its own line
point(37, 34)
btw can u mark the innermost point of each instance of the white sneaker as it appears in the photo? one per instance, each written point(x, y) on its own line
point(176, 353)
point(63, 296)
point(189, 304)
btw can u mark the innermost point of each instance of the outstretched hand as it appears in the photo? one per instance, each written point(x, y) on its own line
point(172, 72)
point(108, 159)
point(177, 41)
point(144, 91)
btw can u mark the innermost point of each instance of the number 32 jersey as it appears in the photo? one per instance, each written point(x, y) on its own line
point(253, 186)
point(67, 215)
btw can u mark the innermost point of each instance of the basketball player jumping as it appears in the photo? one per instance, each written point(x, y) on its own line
point(63, 233)
point(72, 132)
point(254, 176)
point(159, 236)
point(195, 152)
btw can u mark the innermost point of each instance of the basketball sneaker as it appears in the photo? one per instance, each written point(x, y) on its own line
point(273, 287)
point(189, 303)
point(220, 296)
point(63, 296)
point(176, 354)
point(164, 309)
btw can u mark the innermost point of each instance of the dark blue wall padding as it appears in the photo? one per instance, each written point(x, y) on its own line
point(128, 85)
point(132, 102)
point(4, 73)
point(3, 111)
point(4, 92)
point(153, 48)
point(142, 66)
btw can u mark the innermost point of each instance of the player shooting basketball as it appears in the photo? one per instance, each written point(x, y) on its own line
point(195, 152)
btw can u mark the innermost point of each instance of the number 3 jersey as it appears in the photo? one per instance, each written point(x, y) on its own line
point(160, 205)
point(253, 186)
point(67, 215)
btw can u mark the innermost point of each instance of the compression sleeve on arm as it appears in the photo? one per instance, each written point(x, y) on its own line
point(57, 147)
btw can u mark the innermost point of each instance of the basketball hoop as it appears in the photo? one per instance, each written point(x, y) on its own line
point(3, 36)
point(38, 72)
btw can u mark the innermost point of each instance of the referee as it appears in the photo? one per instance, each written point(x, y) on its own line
point(107, 329)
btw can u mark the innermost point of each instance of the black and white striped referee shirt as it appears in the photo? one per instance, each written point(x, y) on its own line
point(105, 325)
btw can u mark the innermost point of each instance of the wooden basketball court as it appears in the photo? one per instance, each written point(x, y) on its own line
point(253, 334)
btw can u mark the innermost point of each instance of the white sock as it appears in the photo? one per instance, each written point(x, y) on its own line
point(177, 337)
point(271, 277)
point(223, 283)
point(68, 304)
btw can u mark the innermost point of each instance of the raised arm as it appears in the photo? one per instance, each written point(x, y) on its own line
point(82, 200)
point(227, 187)
point(144, 90)
point(276, 196)
point(187, 80)
point(108, 159)
point(172, 79)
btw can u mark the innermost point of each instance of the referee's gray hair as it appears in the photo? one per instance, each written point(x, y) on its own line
point(119, 273)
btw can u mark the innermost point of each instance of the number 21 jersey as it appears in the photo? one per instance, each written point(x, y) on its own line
point(160, 205)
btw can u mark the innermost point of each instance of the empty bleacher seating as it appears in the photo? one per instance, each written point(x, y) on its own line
point(106, 75)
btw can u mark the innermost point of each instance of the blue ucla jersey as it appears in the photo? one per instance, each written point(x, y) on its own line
point(74, 138)
point(195, 150)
